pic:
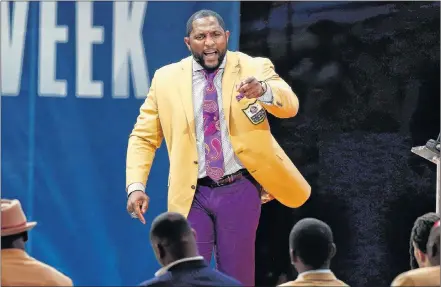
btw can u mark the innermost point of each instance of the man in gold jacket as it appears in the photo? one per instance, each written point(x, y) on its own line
point(211, 109)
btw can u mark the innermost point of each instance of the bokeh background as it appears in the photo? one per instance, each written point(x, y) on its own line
point(367, 76)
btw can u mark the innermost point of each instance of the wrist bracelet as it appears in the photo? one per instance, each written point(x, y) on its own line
point(264, 87)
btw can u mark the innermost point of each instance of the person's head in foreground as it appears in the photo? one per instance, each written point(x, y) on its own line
point(172, 238)
point(207, 38)
point(418, 239)
point(15, 226)
point(311, 245)
point(433, 245)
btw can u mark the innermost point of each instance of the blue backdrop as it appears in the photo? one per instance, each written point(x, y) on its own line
point(64, 138)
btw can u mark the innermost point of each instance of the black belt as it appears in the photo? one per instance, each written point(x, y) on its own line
point(225, 180)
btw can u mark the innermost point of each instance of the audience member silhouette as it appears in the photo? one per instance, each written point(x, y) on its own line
point(312, 249)
point(429, 274)
point(18, 268)
point(174, 244)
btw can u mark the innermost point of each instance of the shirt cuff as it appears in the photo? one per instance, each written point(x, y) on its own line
point(134, 187)
point(267, 97)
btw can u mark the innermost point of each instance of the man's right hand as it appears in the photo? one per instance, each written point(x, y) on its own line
point(137, 204)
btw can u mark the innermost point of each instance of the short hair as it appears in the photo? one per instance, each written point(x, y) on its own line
point(203, 14)
point(169, 228)
point(8, 241)
point(433, 244)
point(311, 240)
point(420, 235)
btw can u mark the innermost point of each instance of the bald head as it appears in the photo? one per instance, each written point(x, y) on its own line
point(172, 238)
point(170, 227)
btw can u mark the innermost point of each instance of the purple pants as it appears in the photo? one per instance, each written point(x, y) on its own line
point(225, 219)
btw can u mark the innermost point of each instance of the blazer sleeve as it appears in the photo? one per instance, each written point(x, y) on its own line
point(285, 103)
point(145, 138)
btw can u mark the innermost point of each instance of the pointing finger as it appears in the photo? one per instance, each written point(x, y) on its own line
point(244, 82)
point(145, 204)
point(244, 88)
point(138, 212)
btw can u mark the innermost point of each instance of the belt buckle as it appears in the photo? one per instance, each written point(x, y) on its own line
point(230, 178)
point(217, 183)
point(226, 180)
point(223, 181)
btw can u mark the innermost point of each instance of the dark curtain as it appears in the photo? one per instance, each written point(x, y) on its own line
point(367, 77)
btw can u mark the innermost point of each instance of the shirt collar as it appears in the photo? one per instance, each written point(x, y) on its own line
point(315, 271)
point(164, 269)
point(14, 252)
point(198, 67)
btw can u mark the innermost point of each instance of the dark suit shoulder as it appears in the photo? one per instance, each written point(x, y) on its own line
point(196, 277)
point(229, 281)
point(209, 277)
point(160, 281)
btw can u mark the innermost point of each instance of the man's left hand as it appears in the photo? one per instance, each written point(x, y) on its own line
point(251, 88)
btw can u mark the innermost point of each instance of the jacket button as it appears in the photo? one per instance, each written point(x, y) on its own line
point(193, 187)
point(195, 162)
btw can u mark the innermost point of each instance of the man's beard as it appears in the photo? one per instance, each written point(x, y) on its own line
point(199, 58)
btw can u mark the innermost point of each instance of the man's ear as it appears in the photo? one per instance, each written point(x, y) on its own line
point(194, 233)
point(187, 43)
point(333, 251)
point(421, 255)
point(294, 258)
point(161, 250)
point(227, 36)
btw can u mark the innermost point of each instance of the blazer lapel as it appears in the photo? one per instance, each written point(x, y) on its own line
point(229, 79)
point(186, 93)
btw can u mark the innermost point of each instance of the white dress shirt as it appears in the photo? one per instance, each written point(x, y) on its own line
point(164, 269)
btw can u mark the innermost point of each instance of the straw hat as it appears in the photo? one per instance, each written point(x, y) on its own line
point(13, 218)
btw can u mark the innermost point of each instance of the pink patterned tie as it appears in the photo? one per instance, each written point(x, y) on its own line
point(214, 158)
